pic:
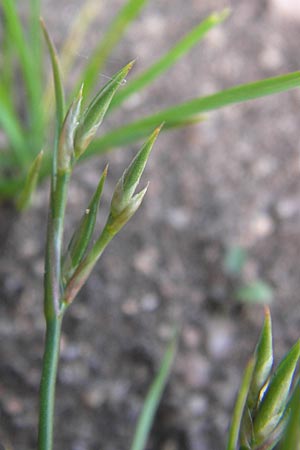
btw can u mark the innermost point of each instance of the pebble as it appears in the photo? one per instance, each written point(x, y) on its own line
point(191, 337)
point(149, 302)
point(130, 307)
point(290, 9)
point(197, 405)
point(146, 260)
point(220, 337)
point(178, 218)
point(195, 369)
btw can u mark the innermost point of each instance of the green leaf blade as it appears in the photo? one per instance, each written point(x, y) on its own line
point(191, 110)
point(113, 35)
point(153, 398)
point(239, 407)
point(170, 58)
point(58, 85)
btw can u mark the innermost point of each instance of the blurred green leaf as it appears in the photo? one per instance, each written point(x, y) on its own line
point(30, 182)
point(235, 259)
point(183, 112)
point(113, 35)
point(153, 398)
point(257, 291)
point(239, 407)
point(170, 58)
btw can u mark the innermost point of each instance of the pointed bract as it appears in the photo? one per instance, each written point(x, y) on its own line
point(264, 362)
point(66, 139)
point(129, 181)
point(92, 117)
point(274, 401)
point(83, 234)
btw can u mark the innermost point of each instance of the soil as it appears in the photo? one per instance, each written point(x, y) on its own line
point(232, 180)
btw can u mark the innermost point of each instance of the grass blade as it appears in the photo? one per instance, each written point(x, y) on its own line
point(188, 111)
point(109, 41)
point(35, 31)
point(170, 58)
point(71, 46)
point(239, 407)
point(153, 398)
point(11, 126)
point(58, 86)
point(32, 77)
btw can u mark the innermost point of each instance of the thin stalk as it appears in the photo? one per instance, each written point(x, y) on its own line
point(48, 383)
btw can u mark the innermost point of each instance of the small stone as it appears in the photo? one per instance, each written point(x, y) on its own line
point(220, 336)
point(271, 58)
point(287, 208)
point(197, 405)
point(13, 406)
point(288, 8)
point(94, 397)
point(178, 218)
point(149, 302)
point(191, 337)
point(146, 260)
point(262, 226)
point(130, 307)
point(195, 369)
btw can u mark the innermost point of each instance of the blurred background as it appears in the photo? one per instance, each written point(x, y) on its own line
point(217, 236)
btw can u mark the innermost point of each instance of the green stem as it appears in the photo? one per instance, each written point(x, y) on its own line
point(48, 382)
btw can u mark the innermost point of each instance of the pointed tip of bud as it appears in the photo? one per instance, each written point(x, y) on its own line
point(131, 64)
point(158, 129)
point(267, 312)
point(105, 171)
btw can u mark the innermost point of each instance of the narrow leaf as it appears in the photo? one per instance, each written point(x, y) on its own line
point(239, 407)
point(17, 36)
point(92, 117)
point(30, 182)
point(274, 401)
point(178, 114)
point(14, 133)
point(71, 46)
point(83, 234)
point(108, 42)
point(170, 58)
point(58, 86)
point(153, 398)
